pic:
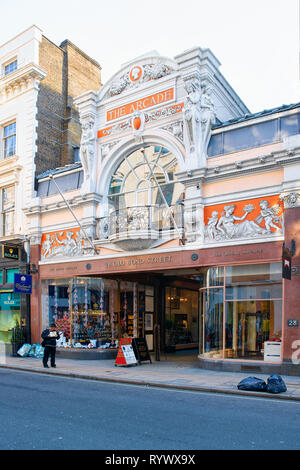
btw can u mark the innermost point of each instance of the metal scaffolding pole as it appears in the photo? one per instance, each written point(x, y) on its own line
point(74, 215)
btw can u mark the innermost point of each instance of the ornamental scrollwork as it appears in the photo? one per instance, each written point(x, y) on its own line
point(149, 72)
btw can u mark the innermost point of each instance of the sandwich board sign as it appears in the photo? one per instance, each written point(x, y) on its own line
point(141, 350)
point(126, 356)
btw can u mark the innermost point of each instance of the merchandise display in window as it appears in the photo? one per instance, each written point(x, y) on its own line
point(93, 312)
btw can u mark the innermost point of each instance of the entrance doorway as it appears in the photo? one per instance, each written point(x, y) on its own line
point(181, 318)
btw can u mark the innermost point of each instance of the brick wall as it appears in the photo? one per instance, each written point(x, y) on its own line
point(70, 72)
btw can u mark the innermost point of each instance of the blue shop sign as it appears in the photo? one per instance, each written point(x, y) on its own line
point(23, 283)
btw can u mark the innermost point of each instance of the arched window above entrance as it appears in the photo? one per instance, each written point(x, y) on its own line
point(145, 178)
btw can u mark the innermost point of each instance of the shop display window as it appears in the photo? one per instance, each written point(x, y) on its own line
point(94, 312)
point(10, 275)
point(9, 315)
point(237, 319)
point(82, 309)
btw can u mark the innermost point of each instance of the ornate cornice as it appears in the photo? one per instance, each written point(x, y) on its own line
point(20, 80)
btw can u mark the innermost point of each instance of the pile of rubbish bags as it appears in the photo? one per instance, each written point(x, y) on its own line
point(31, 350)
point(275, 384)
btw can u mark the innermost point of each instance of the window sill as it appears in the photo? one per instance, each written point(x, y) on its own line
point(9, 164)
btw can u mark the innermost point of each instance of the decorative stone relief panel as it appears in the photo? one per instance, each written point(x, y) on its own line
point(254, 218)
point(165, 112)
point(138, 75)
point(64, 243)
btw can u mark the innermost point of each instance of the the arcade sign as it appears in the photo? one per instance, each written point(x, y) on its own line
point(143, 103)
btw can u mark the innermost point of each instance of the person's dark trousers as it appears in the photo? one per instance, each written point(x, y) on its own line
point(49, 351)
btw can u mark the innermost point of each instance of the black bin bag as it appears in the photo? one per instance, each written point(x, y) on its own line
point(253, 384)
point(275, 384)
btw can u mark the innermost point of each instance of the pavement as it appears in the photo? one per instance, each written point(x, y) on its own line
point(174, 371)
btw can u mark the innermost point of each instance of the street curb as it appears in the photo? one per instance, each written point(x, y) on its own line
point(155, 384)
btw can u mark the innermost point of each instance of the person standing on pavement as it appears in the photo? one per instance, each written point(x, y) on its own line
point(50, 336)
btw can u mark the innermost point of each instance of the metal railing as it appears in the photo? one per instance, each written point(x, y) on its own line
point(145, 220)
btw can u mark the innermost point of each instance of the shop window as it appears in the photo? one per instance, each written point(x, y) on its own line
point(9, 140)
point(85, 310)
point(252, 304)
point(9, 315)
point(249, 324)
point(96, 313)
point(1, 276)
point(7, 210)
point(211, 277)
point(212, 306)
point(10, 274)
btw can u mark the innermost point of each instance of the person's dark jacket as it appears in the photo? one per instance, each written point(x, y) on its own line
point(49, 340)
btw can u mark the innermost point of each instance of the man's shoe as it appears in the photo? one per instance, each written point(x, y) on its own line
point(46, 367)
point(54, 365)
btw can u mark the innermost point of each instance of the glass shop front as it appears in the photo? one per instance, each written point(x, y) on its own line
point(241, 311)
point(97, 312)
point(225, 312)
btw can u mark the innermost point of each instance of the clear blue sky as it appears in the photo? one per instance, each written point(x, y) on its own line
point(256, 41)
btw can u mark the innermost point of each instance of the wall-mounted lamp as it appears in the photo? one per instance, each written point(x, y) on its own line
point(33, 269)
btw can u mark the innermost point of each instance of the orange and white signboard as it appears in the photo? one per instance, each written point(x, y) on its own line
point(126, 356)
point(144, 103)
point(122, 126)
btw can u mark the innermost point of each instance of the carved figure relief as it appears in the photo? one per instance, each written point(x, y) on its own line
point(199, 115)
point(227, 225)
point(191, 113)
point(208, 118)
point(87, 152)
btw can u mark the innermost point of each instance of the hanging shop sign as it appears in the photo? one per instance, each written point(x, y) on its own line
point(23, 283)
point(126, 356)
point(286, 263)
point(141, 350)
point(10, 252)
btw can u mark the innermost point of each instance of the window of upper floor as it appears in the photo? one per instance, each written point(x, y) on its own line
point(254, 135)
point(76, 155)
point(10, 67)
point(7, 210)
point(145, 179)
point(9, 140)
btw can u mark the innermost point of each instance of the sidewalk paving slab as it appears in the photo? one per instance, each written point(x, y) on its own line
point(186, 375)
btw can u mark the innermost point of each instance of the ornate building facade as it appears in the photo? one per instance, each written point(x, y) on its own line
point(173, 225)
